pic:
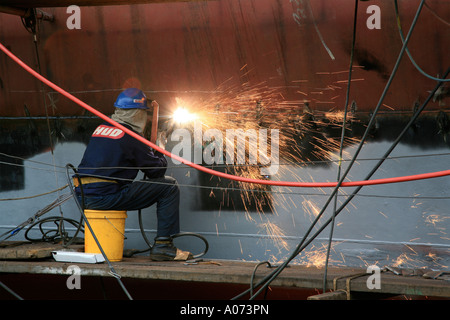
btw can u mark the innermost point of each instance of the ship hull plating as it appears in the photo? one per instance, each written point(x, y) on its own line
point(299, 51)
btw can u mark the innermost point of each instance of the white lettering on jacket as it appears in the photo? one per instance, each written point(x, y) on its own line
point(108, 132)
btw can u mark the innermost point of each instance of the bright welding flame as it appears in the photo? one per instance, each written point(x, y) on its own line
point(182, 115)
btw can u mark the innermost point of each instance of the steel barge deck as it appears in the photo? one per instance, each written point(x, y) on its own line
point(205, 279)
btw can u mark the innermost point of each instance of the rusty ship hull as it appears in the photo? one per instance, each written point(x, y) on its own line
point(204, 50)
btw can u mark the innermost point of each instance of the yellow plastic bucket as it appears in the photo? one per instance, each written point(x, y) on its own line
point(109, 228)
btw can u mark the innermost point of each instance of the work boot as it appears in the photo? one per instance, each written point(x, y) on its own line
point(164, 250)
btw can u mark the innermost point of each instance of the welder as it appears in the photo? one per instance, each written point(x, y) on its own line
point(111, 163)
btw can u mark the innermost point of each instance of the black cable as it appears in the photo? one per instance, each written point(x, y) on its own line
point(253, 277)
point(4, 286)
point(178, 235)
point(141, 226)
point(31, 221)
point(400, 136)
point(192, 234)
point(304, 244)
point(399, 27)
point(81, 207)
point(397, 140)
point(352, 51)
point(268, 279)
point(329, 161)
point(58, 234)
point(209, 187)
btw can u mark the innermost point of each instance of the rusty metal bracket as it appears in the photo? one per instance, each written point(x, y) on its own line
point(348, 278)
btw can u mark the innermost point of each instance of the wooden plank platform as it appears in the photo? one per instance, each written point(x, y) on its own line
point(20, 250)
point(238, 272)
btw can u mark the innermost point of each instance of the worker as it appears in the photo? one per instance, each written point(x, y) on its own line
point(111, 163)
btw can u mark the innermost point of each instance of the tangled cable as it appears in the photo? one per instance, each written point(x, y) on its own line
point(34, 220)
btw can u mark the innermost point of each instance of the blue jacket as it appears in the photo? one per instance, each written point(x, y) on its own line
point(111, 153)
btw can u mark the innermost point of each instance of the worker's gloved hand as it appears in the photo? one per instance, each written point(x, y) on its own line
point(164, 250)
point(161, 141)
point(154, 104)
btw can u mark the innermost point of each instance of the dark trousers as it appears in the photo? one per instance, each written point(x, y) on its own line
point(141, 194)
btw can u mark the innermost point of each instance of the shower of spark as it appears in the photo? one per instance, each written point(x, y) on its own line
point(316, 256)
point(183, 115)
point(304, 138)
point(311, 209)
point(276, 234)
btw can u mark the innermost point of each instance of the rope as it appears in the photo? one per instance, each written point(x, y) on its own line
point(217, 173)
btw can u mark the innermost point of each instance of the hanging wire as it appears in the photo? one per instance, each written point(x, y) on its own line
point(304, 243)
point(4, 286)
point(399, 26)
point(33, 24)
point(35, 195)
point(301, 245)
point(81, 207)
point(436, 15)
point(227, 188)
point(303, 163)
point(341, 147)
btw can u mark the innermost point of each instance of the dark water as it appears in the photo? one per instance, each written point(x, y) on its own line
point(405, 224)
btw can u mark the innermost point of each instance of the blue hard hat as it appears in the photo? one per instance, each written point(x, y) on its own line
point(131, 98)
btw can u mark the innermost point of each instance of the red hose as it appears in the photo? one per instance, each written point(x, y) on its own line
point(213, 172)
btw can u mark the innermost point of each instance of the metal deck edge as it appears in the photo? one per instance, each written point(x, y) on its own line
point(240, 272)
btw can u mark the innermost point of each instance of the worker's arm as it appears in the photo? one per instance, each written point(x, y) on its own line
point(154, 162)
point(155, 116)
